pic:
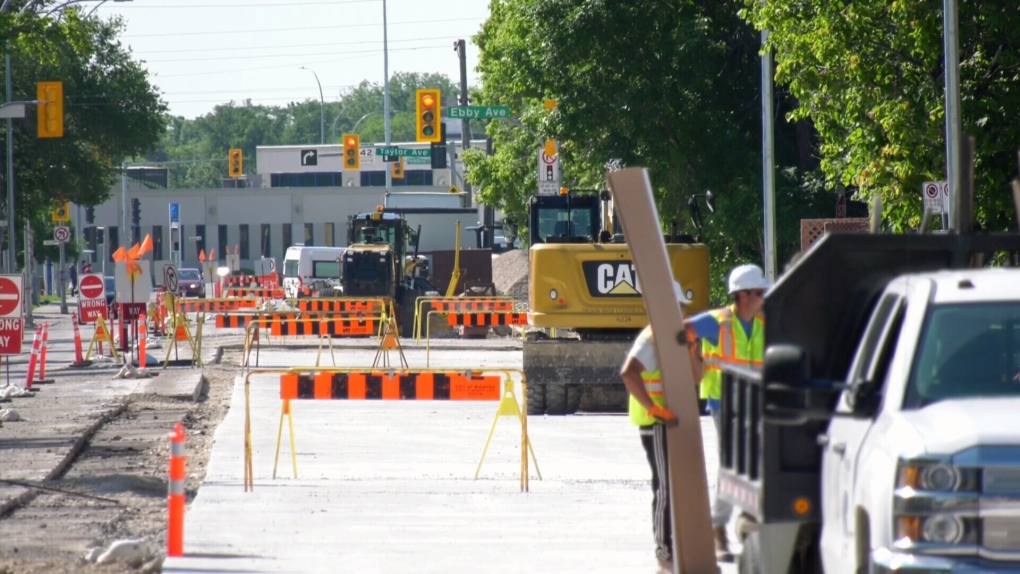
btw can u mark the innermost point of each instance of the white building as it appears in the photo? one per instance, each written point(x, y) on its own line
point(299, 194)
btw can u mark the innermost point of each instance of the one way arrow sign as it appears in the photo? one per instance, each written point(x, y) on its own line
point(309, 157)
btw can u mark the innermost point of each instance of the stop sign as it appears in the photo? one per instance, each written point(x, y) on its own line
point(92, 287)
point(10, 297)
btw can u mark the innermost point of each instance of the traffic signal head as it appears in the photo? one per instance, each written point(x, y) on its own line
point(51, 111)
point(236, 162)
point(397, 169)
point(136, 211)
point(90, 215)
point(352, 152)
point(427, 119)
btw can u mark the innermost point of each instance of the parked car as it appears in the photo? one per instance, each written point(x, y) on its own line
point(189, 283)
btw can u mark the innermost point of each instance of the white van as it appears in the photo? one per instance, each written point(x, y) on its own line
point(315, 267)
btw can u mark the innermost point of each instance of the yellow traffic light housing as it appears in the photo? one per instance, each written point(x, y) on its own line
point(397, 169)
point(51, 110)
point(236, 161)
point(61, 211)
point(352, 151)
point(427, 121)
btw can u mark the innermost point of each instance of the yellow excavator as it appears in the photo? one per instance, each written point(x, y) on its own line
point(584, 299)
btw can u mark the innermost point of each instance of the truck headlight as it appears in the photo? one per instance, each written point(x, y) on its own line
point(943, 529)
point(937, 477)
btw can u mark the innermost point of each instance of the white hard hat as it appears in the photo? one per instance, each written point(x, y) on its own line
point(747, 277)
point(681, 296)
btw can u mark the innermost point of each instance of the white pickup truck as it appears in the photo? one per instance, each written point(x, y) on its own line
point(908, 386)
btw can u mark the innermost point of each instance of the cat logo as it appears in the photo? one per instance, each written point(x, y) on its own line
point(611, 279)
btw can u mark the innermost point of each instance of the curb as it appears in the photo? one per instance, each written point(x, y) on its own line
point(30, 494)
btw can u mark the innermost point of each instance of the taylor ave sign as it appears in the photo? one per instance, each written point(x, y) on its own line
point(91, 297)
point(12, 326)
point(478, 112)
point(399, 152)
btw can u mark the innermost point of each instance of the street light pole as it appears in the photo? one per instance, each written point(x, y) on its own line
point(322, 108)
point(386, 94)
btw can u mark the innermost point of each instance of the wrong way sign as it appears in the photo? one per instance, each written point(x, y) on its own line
point(12, 326)
point(91, 297)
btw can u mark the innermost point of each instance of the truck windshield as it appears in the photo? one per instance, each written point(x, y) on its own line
point(966, 351)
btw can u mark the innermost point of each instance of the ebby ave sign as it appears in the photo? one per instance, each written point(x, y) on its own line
point(478, 112)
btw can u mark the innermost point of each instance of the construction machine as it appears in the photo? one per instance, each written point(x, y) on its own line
point(376, 263)
point(585, 306)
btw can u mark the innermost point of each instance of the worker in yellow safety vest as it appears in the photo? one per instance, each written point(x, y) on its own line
point(733, 335)
point(641, 376)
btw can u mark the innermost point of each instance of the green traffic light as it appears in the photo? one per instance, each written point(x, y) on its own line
point(427, 130)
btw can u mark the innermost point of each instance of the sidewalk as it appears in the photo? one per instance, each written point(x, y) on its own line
point(59, 418)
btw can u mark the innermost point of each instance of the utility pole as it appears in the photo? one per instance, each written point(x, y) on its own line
point(954, 175)
point(768, 162)
point(386, 95)
point(460, 46)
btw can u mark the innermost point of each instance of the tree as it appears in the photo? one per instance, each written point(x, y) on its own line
point(870, 76)
point(111, 111)
point(674, 88)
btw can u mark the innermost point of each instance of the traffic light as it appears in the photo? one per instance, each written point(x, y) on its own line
point(51, 111)
point(136, 211)
point(90, 216)
point(236, 161)
point(61, 211)
point(397, 169)
point(427, 116)
point(352, 152)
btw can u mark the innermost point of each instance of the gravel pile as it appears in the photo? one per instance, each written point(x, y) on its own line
point(510, 274)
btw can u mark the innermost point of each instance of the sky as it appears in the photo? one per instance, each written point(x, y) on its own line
point(201, 53)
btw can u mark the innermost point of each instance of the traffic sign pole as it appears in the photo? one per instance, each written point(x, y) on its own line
point(63, 282)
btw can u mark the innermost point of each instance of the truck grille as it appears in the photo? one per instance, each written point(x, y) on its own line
point(1001, 480)
point(1001, 534)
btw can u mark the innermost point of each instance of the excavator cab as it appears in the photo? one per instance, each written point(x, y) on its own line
point(564, 218)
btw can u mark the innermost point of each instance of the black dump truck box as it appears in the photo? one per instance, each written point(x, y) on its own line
point(770, 467)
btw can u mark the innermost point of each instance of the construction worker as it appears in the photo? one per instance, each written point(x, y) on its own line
point(734, 335)
point(641, 376)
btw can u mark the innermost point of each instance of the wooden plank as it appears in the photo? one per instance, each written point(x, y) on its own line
point(693, 544)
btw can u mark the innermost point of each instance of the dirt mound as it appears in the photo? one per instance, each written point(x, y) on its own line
point(510, 274)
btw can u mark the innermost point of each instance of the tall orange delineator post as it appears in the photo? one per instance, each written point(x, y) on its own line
point(79, 360)
point(42, 380)
point(143, 335)
point(33, 359)
point(175, 495)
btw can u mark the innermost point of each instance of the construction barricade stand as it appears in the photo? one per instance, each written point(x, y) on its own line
point(473, 319)
point(214, 305)
point(102, 334)
point(500, 303)
point(300, 383)
point(260, 292)
point(180, 332)
point(324, 326)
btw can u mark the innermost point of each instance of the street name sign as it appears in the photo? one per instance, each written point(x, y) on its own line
point(91, 297)
point(478, 112)
point(402, 152)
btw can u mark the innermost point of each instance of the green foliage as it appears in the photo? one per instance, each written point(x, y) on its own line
point(869, 74)
point(111, 111)
point(674, 88)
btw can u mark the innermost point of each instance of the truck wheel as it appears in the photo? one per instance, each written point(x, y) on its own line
point(750, 557)
point(536, 399)
point(555, 399)
point(573, 399)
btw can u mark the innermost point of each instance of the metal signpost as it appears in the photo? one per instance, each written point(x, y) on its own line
point(62, 235)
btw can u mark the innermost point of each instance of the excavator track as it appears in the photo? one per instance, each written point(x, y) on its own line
point(567, 375)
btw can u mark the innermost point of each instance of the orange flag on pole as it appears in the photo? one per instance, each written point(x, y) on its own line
point(212, 255)
point(146, 245)
point(119, 255)
point(201, 256)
